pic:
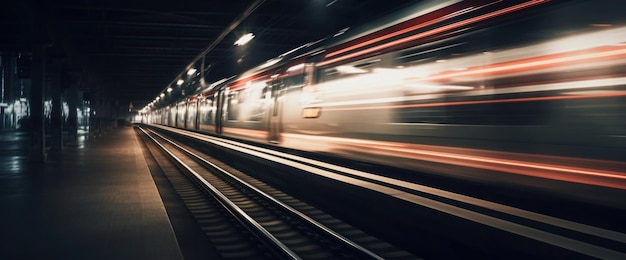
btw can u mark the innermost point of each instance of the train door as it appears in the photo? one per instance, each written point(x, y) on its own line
point(219, 110)
point(275, 111)
point(184, 115)
point(196, 118)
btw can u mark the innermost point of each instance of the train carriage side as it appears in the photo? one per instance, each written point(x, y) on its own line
point(244, 107)
point(511, 76)
point(210, 107)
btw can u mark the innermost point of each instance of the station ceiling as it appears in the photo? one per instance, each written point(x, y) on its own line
point(132, 50)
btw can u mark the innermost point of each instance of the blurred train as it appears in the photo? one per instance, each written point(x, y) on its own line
point(534, 81)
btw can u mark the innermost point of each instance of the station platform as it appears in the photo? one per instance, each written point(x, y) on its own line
point(94, 200)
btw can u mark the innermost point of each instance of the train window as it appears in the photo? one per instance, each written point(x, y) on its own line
point(180, 118)
point(253, 102)
point(232, 106)
point(171, 120)
point(293, 81)
point(192, 109)
point(247, 104)
point(206, 111)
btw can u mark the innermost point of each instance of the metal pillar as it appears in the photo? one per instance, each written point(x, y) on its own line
point(38, 127)
point(8, 84)
point(56, 120)
point(72, 118)
point(3, 103)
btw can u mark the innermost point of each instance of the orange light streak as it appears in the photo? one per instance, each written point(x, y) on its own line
point(596, 95)
point(516, 163)
point(528, 168)
point(568, 58)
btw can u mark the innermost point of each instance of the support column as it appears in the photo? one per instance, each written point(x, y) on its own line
point(56, 120)
point(3, 103)
point(72, 117)
point(38, 127)
point(8, 81)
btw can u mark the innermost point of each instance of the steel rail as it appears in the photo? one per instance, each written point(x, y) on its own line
point(338, 237)
point(243, 217)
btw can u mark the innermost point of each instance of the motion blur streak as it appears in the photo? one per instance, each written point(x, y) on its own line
point(577, 96)
point(557, 172)
point(435, 31)
point(610, 176)
point(403, 31)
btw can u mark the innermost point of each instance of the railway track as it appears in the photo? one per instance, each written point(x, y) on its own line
point(245, 218)
point(422, 219)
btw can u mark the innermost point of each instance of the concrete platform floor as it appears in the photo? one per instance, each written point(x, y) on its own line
point(95, 200)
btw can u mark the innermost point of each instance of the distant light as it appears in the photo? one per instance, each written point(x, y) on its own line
point(162, 95)
point(169, 89)
point(244, 39)
point(191, 71)
point(157, 98)
point(180, 82)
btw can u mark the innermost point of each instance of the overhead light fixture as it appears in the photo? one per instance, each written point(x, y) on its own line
point(169, 89)
point(191, 71)
point(244, 39)
point(162, 95)
point(180, 82)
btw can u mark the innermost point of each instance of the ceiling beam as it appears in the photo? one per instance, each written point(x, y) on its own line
point(158, 25)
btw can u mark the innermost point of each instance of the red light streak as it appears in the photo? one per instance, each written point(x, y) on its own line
point(406, 30)
point(435, 31)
